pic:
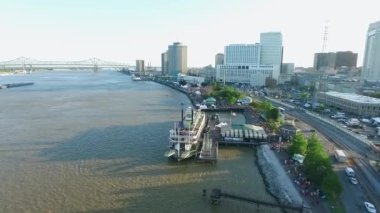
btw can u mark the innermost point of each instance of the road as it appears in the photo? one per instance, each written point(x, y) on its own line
point(369, 187)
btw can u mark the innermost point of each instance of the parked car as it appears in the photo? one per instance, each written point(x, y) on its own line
point(370, 207)
point(370, 136)
point(349, 172)
point(354, 180)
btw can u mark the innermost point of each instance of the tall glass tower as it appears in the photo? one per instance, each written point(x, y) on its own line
point(177, 59)
point(371, 64)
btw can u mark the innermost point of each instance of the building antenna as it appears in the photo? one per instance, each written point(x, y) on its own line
point(325, 34)
point(321, 82)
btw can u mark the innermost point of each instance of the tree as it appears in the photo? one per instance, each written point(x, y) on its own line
point(317, 163)
point(313, 145)
point(265, 106)
point(270, 82)
point(255, 105)
point(321, 107)
point(216, 86)
point(299, 144)
point(273, 114)
point(331, 185)
point(230, 94)
point(305, 96)
point(182, 82)
point(316, 167)
point(273, 126)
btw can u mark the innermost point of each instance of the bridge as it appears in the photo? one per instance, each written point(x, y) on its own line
point(33, 64)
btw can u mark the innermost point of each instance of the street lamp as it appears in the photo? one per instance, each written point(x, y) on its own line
point(224, 79)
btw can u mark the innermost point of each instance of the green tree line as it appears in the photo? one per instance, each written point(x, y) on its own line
point(228, 93)
point(317, 165)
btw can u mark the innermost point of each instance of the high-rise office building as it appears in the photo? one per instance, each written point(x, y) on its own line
point(254, 64)
point(324, 60)
point(140, 67)
point(177, 59)
point(287, 71)
point(346, 59)
point(371, 64)
point(164, 63)
point(271, 48)
point(219, 59)
point(334, 60)
point(242, 54)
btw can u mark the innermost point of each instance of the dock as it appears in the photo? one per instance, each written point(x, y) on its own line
point(209, 149)
point(214, 136)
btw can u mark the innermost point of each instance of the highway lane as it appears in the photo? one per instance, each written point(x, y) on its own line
point(352, 195)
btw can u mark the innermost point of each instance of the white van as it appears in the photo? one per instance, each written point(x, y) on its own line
point(349, 172)
point(340, 156)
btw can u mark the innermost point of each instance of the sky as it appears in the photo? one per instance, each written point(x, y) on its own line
point(126, 30)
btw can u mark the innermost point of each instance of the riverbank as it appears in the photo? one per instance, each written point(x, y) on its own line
point(277, 183)
point(170, 84)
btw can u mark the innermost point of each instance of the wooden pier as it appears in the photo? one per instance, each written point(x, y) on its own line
point(209, 149)
point(217, 194)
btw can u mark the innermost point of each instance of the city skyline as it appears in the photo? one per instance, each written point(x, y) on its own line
point(128, 30)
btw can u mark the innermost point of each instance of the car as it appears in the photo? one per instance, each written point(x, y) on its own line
point(370, 207)
point(349, 172)
point(370, 136)
point(354, 180)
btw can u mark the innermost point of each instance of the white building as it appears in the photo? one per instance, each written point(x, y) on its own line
point(242, 54)
point(350, 102)
point(164, 63)
point(219, 59)
point(191, 79)
point(140, 67)
point(177, 59)
point(371, 64)
point(254, 75)
point(252, 63)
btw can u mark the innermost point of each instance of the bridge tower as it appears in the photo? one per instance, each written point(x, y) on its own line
point(23, 59)
point(95, 63)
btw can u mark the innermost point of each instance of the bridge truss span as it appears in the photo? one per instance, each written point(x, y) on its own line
point(29, 63)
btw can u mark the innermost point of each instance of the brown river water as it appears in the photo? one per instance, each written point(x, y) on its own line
point(79, 141)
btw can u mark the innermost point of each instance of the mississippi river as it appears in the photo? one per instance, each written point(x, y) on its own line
point(79, 141)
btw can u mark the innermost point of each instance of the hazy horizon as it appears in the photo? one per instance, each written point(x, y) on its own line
point(124, 31)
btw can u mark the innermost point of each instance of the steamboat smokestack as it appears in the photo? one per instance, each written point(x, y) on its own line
point(182, 116)
point(192, 115)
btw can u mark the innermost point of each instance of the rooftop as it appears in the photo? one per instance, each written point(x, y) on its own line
point(354, 97)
